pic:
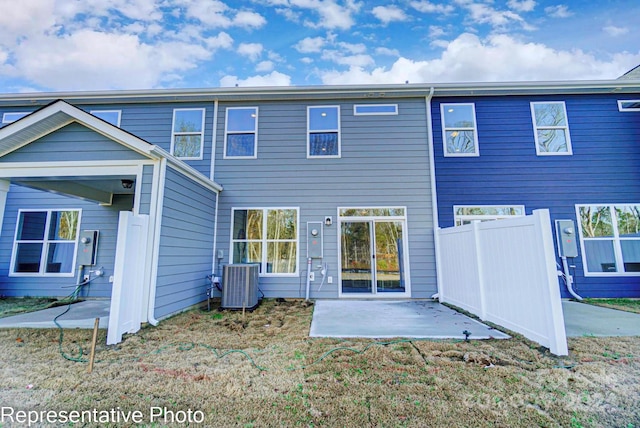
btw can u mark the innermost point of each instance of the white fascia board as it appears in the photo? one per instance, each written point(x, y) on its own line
point(185, 169)
point(58, 115)
point(329, 91)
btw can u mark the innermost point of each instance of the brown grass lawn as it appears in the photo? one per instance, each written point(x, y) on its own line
point(264, 371)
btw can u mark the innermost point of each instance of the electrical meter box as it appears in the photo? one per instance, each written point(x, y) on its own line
point(567, 239)
point(88, 247)
point(314, 240)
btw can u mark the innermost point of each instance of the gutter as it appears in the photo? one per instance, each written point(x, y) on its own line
point(434, 193)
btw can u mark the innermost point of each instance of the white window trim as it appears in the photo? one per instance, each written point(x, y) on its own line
point(628, 109)
point(263, 261)
point(227, 132)
point(567, 134)
point(474, 129)
point(45, 242)
point(393, 113)
point(487, 217)
point(200, 133)
point(309, 156)
point(5, 116)
point(617, 250)
point(118, 112)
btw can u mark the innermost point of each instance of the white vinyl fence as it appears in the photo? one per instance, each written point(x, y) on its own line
point(505, 272)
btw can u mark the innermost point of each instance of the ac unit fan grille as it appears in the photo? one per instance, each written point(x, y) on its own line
point(240, 286)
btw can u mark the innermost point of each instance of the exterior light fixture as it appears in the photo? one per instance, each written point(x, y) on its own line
point(126, 183)
point(328, 221)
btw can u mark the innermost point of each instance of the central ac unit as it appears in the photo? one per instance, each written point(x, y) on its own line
point(240, 286)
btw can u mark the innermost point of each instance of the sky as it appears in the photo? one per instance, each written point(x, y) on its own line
point(71, 45)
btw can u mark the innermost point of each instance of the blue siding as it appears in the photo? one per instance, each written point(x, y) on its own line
point(93, 217)
point(604, 167)
point(186, 244)
point(384, 163)
point(145, 191)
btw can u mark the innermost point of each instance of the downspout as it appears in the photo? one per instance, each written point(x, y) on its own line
point(434, 193)
point(151, 306)
point(569, 279)
point(215, 261)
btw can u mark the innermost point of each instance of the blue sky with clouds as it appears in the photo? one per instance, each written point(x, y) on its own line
point(59, 45)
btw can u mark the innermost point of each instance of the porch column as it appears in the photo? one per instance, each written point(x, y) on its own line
point(4, 189)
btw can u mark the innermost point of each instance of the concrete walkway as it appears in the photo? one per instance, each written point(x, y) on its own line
point(80, 315)
point(424, 319)
point(581, 319)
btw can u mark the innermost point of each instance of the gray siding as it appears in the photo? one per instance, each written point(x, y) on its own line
point(384, 162)
point(186, 244)
point(73, 142)
point(145, 191)
point(152, 123)
point(93, 217)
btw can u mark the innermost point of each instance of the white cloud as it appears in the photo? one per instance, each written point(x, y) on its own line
point(558, 11)
point(498, 58)
point(331, 15)
point(436, 31)
point(614, 31)
point(274, 78)
point(89, 59)
point(216, 14)
point(310, 44)
point(522, 5)
point(247, 19)
point(264, 66)
point(428, 7)
point(484, 14)
point(387, 52)
point(387, 14)
point(250, 50)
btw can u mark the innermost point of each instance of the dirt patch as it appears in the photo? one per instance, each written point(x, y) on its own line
point(262, 369)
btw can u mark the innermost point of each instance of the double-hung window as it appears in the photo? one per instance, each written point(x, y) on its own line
point(551, 128)
point(469, 213)
point(459, 131)
point(241, 132)
point(610, 237)
point(111, 116)
point(267, 236)
point(45, 242)
point(187, 133)
point(323, 131)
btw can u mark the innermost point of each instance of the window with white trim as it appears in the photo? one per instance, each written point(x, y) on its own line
point(111, 116)
point(268, 236)
point(459, 130)
point(241, 132)
point(45, 242)
point(187, 134)
point(551, 128)
point(323, 131)
point(629, 105)
point(375, 109)
point(610, 238)
point(465, 214)
point(11, 117)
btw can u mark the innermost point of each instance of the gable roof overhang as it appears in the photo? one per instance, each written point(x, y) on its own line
point(59, 114)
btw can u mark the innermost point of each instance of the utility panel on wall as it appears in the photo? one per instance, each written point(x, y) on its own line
point(314, 240)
